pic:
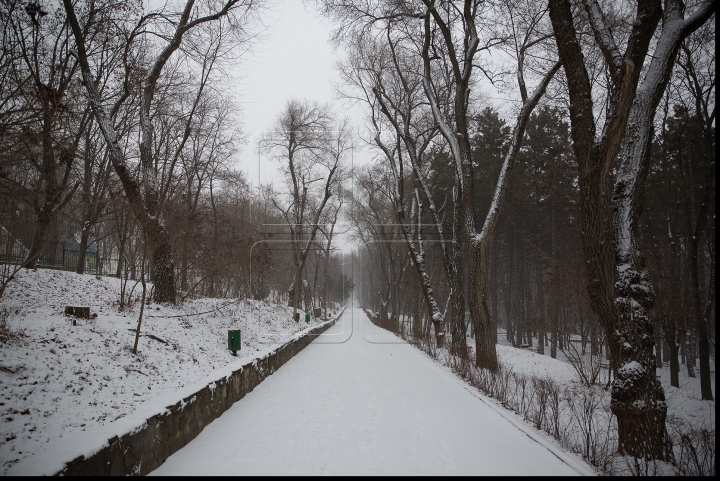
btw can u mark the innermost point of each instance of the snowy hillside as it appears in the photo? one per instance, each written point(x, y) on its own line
point(57, 379)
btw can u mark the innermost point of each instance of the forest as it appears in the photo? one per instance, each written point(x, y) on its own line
point(574, 214)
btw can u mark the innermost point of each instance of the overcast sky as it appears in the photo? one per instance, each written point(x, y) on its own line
point(295, 60)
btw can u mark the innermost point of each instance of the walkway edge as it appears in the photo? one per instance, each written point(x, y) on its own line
point(571, 459)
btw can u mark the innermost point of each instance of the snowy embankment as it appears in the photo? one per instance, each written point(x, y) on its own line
point(684, 403)
point(57, 379)
point(580, 419)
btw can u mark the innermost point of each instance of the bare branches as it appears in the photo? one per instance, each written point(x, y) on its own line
point(311, 147)
point(604, 37)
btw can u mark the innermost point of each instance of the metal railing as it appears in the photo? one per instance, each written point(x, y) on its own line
point(58, 255)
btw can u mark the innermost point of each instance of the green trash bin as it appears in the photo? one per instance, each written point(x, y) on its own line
point(307, 317)
point(234, 340)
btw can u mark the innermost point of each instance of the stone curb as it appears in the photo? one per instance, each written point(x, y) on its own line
point(141, 451)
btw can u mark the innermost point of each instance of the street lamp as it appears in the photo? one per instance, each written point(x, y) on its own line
point(343, 281)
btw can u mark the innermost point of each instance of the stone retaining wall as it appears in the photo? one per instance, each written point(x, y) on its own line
point(141, 451)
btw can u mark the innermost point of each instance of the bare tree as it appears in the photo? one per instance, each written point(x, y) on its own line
point(146, 205)
point(41, 113)
point(311, 147)
point(391, 86)
point(441, 22)
point(620, 290)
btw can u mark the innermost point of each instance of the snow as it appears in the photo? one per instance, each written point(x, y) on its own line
point(64, 390)
point(632, 368)
point(358, 400)
point(684, 402)
point(367, 404)
point(685, 407)
point(531, 363)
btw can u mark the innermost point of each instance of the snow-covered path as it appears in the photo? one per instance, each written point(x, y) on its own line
point(358, 401)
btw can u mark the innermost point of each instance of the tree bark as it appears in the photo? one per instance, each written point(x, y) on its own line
point(82, 250)
point(638, 400)
point(417, 313)
point(39, 239)
point(670, 335)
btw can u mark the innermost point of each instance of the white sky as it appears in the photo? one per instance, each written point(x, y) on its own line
point(295, 60)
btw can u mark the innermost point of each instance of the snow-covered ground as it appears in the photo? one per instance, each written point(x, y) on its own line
point(355, 402)
point(57, 380)
point(684, 402)
point(580, 419)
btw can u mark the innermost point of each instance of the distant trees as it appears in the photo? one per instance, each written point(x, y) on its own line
point(146, 199)
point(697, 71)
point(382, 256)
point(537, 251)
point(311, 147)
point(665, 227)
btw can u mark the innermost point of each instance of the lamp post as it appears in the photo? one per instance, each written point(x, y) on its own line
point(343, 282)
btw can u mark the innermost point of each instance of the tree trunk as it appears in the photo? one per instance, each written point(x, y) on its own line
point(700, 323)
point(121, 259)
point(164, 271)
point(86, 207)
point(82, 249)
point(690, 358)
point(485, 351)
point(457, 302)
point(417, 329)
point(670, 332)
point(681, 341)
point(39, 239)
point(184, 270)
point(638, 399)
point(659, 348)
